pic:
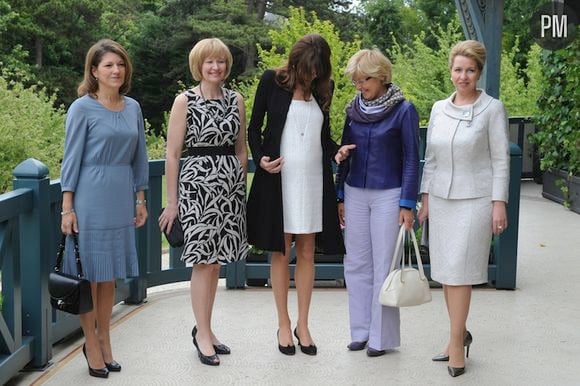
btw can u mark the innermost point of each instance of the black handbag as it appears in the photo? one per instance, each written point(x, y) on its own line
point(175, 236)
point(69, 293)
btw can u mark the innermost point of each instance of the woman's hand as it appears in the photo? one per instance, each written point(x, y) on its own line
point(341, 214)
point(406, 217)
point(167, 217)
point(424, 210)
point(498, 217)
point(271, 167)
point(140, 215)
point(343, 153)
point(68, 223)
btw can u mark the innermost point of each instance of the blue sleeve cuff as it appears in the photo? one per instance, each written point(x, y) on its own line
point(409, 204)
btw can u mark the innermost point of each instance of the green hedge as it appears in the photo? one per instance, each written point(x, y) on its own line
point(558, 140)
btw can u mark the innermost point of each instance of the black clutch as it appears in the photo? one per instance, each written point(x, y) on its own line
point(175, 236)
point(69, 293)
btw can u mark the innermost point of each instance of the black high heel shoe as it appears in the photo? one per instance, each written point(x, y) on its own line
point(455, 371)
point(99, 373)
point(286, 350)
point(113, 366)
point(220, 349)
point(210, 360)
point(467, 340)
point(308, 350)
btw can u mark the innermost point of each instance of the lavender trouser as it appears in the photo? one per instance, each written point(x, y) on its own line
point(372, 224)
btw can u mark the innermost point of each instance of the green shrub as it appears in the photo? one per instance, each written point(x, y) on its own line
point(558, 113)
point(29, 127)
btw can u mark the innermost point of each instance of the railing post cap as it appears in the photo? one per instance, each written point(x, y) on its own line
point(515, 149)
point(30, 168)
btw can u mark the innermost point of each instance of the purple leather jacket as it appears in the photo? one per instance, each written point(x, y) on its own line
point(386, 154)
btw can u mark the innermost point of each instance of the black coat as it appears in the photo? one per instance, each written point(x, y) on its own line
point(265, 214)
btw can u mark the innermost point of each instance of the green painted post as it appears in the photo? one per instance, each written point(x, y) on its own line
point(506, 246)
point(236, 275)
point(35, 265)
point(482, 20)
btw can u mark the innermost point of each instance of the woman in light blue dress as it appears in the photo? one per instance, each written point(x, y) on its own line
point(104, 174)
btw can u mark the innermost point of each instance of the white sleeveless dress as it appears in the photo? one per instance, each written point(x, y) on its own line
point(302, 169)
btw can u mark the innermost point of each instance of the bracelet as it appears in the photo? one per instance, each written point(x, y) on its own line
point(140, 202)
point(65, 212)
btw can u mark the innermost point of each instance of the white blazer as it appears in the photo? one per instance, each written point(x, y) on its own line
point(467, 154)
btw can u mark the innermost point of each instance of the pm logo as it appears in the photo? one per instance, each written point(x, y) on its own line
point(553, 25)
point(556, 25)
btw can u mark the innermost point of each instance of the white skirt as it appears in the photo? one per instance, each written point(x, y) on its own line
point(302, 169)
point(459, 239)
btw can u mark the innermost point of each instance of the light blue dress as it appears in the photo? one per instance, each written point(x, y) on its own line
point(105, 162)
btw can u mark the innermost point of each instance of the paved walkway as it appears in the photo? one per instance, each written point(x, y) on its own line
point(529, 336)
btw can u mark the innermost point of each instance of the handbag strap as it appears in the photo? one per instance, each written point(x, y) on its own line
point(399, 254)
point(60, 254)
point(417, 254)
point(398, 251)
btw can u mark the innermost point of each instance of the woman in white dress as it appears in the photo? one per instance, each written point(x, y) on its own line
point(292, 194)
point(465, 190)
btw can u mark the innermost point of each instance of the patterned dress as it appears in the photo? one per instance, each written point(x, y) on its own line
point(212, 189)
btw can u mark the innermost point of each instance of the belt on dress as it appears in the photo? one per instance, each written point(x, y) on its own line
point(211, 150)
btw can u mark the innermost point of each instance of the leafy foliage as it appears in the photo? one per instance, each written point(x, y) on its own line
point(30, 127)
point(300, 23)
point(518, 96)
point(423, 72)
point(558, 140)
point(400, 21)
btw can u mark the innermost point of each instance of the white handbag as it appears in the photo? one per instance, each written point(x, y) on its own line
point(405, 286)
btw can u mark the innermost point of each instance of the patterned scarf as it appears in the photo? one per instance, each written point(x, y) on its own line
point(361, 110)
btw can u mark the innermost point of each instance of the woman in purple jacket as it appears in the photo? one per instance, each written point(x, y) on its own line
point(377, 191)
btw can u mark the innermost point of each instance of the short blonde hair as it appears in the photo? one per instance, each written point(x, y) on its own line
point(208, 48)
point(471, 49)
point(370, 63)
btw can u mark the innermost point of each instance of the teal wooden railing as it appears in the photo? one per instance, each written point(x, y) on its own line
point(29, 235)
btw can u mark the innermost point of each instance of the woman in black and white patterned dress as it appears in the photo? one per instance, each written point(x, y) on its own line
point(210, 201)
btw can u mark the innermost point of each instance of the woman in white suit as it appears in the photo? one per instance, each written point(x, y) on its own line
point(464, 190)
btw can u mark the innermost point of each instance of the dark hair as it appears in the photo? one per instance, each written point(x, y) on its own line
point(310, 54)
point(90, 85)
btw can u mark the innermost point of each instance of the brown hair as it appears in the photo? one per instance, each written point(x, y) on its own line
point(208, 48)
point(370, 63)
point(470, 49)
point(310, 54)
point(90, 85)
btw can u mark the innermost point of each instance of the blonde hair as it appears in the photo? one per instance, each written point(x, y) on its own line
point(95, 54)
point(208, 48)
point(471, 49)
point(370, 63)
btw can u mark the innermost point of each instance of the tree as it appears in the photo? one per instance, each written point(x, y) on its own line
point(516, 29)
point(172, 30)
point(57, 35)
point(402, 20)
